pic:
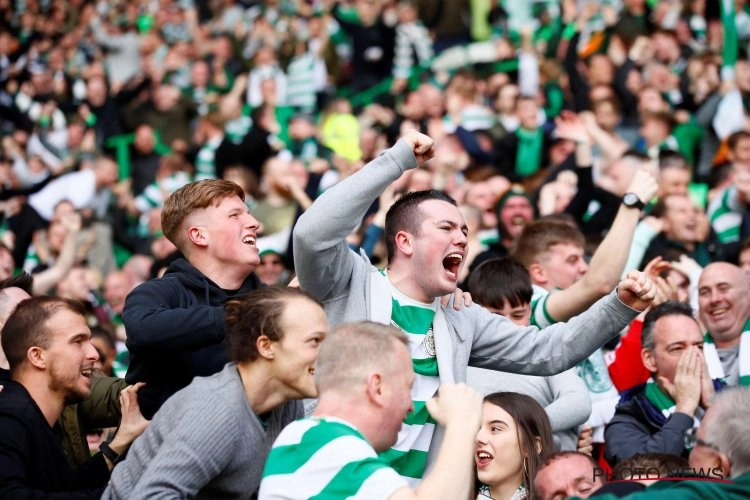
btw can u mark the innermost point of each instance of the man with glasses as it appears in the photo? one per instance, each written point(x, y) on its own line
point(653, 417)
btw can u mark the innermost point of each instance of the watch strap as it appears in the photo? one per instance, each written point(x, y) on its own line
point(108, 452)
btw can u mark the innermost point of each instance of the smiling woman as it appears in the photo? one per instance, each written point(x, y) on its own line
point(514, 435)
point(211, 439)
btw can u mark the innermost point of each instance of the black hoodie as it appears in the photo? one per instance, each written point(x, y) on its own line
point(175, 328)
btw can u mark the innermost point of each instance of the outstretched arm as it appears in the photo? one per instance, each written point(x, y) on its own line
point(498, 344)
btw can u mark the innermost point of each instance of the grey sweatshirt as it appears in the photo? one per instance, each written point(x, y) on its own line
point(340, 278)
point(204, 442)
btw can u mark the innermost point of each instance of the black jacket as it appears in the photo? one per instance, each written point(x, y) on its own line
point(32, 462)
point(175, 328)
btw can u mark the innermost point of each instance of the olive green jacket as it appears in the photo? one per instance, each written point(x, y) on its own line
point(99, 411)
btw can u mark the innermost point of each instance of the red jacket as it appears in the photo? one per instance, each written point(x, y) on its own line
point(624, 363)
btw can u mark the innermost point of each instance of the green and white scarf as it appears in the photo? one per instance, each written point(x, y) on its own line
point(529, 153)
point(715, 370)
point(659, 398)
point(731, 38)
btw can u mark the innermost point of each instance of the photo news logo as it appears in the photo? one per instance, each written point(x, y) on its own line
point(652, 473)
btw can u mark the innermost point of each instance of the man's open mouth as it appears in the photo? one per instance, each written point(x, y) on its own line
point(451, 264)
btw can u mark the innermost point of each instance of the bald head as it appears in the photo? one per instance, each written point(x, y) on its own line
point(722, 297)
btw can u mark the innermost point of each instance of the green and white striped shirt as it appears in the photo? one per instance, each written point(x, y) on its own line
point(409, 455)
point(326, 458)
point(539, 315)
point(205, 162)
point(725, 214)
point(301, 76)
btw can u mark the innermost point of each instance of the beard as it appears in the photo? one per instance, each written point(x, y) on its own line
point(69, 386)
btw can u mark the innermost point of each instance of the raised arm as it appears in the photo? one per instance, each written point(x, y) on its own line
point(45, 280)
point(322, 258)
point(608, 261)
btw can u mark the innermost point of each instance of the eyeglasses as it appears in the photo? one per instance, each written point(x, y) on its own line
point(692, 439)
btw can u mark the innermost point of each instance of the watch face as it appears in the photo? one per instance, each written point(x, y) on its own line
point(631, 200)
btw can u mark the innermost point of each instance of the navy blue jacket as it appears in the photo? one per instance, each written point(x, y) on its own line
point(639, 427)
point(175, 328)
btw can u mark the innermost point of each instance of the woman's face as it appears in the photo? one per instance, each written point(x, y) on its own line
point(304, 327)
point(498, 455)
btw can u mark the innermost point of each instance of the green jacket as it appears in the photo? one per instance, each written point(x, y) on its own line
point(99, 411)
point(737, 489)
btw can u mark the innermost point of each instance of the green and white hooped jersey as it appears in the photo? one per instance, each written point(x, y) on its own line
point(205, 162)
point(539, 315)
point(326, 458)
point(409, 455)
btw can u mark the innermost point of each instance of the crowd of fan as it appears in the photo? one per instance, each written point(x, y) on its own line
point(581, 169)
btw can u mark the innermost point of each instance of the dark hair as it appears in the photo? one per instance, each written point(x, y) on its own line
point(736, 137)
point(501, 280)
point(24, 281)
point(531, 423)
point(635, 154)
point(404, 215)
point(107, 336)
point(255, 314)
point(669, 308)
point(669, 158)
point(105, 333)
point(28, 327)
point(661, 207)
point(665, 463)
point(551, 457)
point(664, 117)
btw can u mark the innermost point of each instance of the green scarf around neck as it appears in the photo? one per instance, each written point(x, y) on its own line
point(659, 398)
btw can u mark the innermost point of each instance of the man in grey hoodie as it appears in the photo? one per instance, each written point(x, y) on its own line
point(426, 241)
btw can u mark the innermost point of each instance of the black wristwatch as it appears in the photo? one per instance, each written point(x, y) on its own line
point(108, 452)
point(631, 200)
